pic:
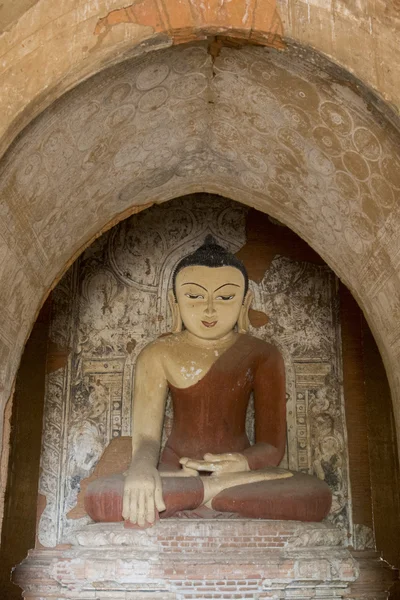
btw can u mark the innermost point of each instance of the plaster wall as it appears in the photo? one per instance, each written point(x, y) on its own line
point(48, 47)
point(10, 12)
point(276, 133)
point(36, 69)
point(19, 531)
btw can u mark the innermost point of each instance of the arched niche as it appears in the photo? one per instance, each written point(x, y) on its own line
point(36, 69)
point(109, 305)
point(288, 134)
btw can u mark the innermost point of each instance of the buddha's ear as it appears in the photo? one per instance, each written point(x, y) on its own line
point(176, 313)
point(243, 320)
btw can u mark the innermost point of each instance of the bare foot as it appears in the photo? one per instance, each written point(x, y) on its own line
point(215, 484)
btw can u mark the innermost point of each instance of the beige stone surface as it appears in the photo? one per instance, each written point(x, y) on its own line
point(12, 11)
point(35, 67)
point(183, 559)
point(258, 126)
point(46, 218)
point(5, 452)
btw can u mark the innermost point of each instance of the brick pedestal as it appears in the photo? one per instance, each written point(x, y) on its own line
point(207, 559)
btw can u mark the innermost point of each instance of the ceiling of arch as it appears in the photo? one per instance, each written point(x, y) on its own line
point(256, 125)
point(10, 11)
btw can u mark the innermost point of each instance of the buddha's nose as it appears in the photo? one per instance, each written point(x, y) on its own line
point(210, 309)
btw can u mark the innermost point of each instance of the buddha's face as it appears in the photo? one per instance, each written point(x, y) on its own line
point(209, 300)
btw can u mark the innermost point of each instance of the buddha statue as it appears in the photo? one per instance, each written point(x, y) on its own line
point(211, 365)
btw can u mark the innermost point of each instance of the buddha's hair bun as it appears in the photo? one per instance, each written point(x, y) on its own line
point(211, 254)
point(210, 240)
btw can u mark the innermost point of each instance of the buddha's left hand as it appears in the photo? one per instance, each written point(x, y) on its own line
point(217, 464)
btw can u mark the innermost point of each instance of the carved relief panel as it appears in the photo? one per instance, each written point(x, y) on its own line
point(113, 302)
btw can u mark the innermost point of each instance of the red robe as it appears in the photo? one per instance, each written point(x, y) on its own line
point(210, 416)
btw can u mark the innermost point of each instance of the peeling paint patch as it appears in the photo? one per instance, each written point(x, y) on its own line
point(41, 505)
point(121, 15)
point(57, 357)
point(130, 346)
point(257, 254)
point(127, 15)
point(122, 31)
point(260, 25)
point(325, 4)
point(118, 5)
point(258, 318)
point(267, 26)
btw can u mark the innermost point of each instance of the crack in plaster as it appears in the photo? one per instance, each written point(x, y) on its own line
point(117, 5)
point(117, 16)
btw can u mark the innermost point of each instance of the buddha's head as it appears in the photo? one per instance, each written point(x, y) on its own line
point(210, 292)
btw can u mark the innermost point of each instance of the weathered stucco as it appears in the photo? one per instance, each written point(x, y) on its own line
point(256, 125)
point(12, 10)
point(49, 214)
point(54, 45)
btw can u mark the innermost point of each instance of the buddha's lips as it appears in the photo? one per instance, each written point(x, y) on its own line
point(209, 324)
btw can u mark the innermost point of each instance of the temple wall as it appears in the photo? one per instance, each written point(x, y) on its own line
point(23, 464)
point(49, 47)
point(342, 196)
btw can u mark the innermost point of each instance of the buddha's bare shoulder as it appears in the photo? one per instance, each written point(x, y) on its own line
point(160, 348)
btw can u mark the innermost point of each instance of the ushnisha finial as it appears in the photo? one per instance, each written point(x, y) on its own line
point(211, 254)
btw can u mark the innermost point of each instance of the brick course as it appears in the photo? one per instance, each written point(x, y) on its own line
point(264, 560)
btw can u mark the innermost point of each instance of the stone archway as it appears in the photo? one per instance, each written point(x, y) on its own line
point(47, 48)
point(274, 131)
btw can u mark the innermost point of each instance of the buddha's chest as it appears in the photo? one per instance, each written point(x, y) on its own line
point(188, 366)
point(209, 373)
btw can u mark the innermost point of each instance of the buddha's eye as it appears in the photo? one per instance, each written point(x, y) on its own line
point(194, 296)
point(225, 297)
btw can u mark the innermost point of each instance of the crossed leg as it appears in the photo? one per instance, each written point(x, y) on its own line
point(265, 494)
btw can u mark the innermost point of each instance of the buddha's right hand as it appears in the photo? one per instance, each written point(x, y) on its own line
point(142, 495)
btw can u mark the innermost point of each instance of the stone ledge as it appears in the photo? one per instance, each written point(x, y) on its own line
point(210, 535)
point(205, 560)
point(187, 559)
